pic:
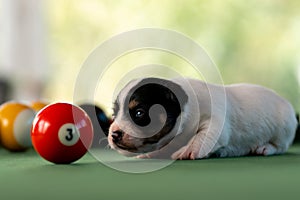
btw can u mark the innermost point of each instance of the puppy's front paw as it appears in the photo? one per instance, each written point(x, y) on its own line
point(195, 149)
point(188, 152)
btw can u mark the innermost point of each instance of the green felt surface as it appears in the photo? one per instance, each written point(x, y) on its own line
point(27, 176)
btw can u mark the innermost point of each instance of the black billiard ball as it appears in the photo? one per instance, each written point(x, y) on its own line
point(101, 122)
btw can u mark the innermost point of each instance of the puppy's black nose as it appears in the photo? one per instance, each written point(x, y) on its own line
point(116, 136)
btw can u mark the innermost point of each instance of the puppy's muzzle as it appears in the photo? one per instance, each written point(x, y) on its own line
point(116, 134)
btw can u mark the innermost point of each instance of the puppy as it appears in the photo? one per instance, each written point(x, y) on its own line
point(190, 119)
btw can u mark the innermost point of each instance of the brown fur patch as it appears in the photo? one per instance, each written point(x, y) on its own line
point(133, 104)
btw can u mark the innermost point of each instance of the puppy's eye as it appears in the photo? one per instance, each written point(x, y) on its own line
point(139, 113)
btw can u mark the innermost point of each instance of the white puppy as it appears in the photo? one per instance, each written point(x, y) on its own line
point(190, 119)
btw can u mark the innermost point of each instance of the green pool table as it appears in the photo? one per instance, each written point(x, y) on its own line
point(27, 176)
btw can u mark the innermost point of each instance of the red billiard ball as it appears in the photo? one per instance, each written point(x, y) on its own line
point(61, 133)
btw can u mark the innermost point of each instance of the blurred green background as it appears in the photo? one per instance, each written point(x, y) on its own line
point(250, 41)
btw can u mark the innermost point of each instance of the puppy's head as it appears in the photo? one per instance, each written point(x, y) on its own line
point(145, 113)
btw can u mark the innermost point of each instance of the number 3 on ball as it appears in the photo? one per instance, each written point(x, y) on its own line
point(68, 134)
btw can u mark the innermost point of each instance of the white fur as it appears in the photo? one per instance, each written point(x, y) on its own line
point(232, 120)
point(257, 121)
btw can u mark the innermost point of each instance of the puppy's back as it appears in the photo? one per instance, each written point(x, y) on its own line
point(260, 112)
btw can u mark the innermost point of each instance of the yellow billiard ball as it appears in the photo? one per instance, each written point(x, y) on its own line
point(38, 105)
point(16, 121)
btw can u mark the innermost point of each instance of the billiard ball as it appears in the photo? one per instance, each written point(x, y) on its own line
point(16, 120)
point(62, 133)
point(38, 105)
point(100, 121)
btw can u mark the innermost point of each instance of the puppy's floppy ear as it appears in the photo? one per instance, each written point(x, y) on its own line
point(174, 93)
point(177, 94)
point(170, 96)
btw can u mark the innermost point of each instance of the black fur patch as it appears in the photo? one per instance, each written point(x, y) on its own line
point(148, 95)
